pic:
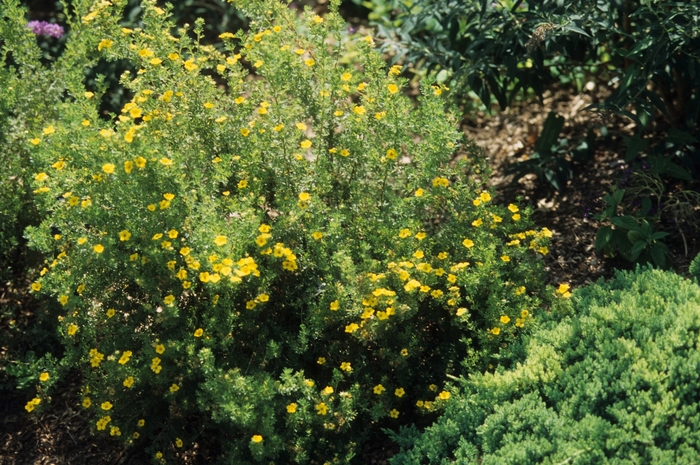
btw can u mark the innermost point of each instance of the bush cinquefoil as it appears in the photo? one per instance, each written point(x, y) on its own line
point(270, 243)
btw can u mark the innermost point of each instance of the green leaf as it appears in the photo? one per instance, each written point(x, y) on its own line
point(635, 145)
point(637, 249)
point(617, 197)
point(550, 132)
point(626, 222)
point(679, 137)
point(676, 171)
point(659, 256)
point(602, 237)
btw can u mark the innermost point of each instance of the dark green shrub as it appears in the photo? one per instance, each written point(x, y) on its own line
point(694, 268)
point(611, 378)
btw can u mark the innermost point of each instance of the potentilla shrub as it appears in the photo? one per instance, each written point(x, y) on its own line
point(268, 245)
point(611, 378)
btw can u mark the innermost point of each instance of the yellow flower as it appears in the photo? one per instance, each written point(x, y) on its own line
point(321, 360)
point(174, 388)
point(505, 319)
point(87, 402)
point(36, 287)
point(440, 182)
point(399, 392)
point(345, 77)
point(44, 377)
point(292, 408)
point(198, 332)
point(245, 132)
point(516, 217)
point(378, 389)
point(104, 43)
point(404, 352)
point(564, 290)
point(478, 222)
point(305, 144)
point(346, 366)
point(444, 395)
point(41, 177)
point(178, 442)
point(189, 65)
point(317, 235)
point(128, 382)
point(420, 236)
point(419, 192)
point(35, 141)
point(485, 196)
point(124, 235)
point(89, 95)
point(496, 331)
point(110, 312)
point(128, 166)
point(394, 413)
point(513, 208)
point(335, 305)
point(107, 405)
point(310, 62)
point(327, 391)
point(393, 88)
point(321, 408)
point(304, 197)
point(72, 329)
point(108, 168)
point(505, 258)
point(98, 248)
point(220, 240)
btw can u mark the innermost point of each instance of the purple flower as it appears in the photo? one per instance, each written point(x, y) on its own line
point(42, 28)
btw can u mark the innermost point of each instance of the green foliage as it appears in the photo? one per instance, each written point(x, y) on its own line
point(633, 237)
point(610, 378)
point(694, 269)
point(645, 51)
point(264, 244)
point(499, 48)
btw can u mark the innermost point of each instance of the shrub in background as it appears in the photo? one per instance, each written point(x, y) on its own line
point(264, 244)
point(29, 95)
point(613, 381)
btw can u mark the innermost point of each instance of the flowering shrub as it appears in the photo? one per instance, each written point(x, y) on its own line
point(267, 244)
point(610, 377)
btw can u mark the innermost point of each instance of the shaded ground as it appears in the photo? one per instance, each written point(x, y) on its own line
point(510, 136)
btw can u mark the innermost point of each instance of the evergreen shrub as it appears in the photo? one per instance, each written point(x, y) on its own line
point(611, 377)
point(265, 245)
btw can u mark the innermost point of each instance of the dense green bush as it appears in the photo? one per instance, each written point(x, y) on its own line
point(611, 378)
point(283, 255)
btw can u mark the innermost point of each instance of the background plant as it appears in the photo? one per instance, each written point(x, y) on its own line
point(263, 244)
point(609, 378)
point(646, 53)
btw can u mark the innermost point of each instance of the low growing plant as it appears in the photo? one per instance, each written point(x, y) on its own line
point(610, 378)
point(265, 245)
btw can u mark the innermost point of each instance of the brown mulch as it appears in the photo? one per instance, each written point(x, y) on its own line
point(509, 136)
